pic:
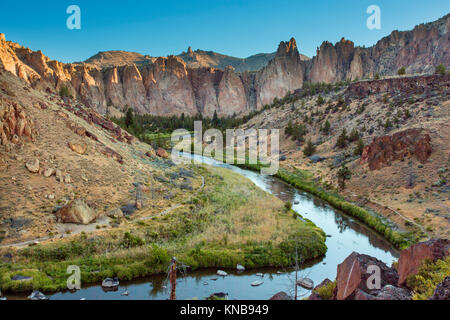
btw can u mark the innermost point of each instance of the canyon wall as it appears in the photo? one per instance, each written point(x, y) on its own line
point(168, 86)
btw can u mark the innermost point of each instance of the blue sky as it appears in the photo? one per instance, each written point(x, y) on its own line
point(234, 27)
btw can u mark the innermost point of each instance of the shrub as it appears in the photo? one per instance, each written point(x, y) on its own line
point(377, 76)
point(326, 127)
point(64, 92)
point(326, 291)
point(131, 241)
point(354, 135)
point(342, 139)
point(440, 69)
point(309, 149)
point(429, 276)
point(401, 71)
point(343, 174)
point(359, 148)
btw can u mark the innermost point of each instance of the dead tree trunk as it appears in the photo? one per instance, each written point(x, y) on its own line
point(173, 279)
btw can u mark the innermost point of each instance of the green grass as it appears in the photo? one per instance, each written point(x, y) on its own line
point(231, 221)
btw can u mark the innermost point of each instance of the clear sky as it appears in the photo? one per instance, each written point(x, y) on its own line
point(235, 27)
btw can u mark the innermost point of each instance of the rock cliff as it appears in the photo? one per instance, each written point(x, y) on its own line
point(110, 81)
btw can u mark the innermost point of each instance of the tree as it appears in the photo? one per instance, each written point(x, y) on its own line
point(377, 76)
point(326, 127)
point(354, 135)
point(320, 100)
point(401, 71)
point(359, 148)
point(129, 118)
point(309, 149)
point(215, 119)
point(342, 139)
point(342, 175)
point(440, 69)
point(64, 92)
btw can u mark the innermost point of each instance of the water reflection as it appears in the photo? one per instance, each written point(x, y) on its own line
point(345, 235)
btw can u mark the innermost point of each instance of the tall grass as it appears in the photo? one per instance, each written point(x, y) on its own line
point(399, 240)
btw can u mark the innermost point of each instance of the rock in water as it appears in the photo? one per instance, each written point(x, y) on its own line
point(37, 295)
point(111, 283)
point(257, 283)
point(77, 212)
point(240, 268)
point(221, 273)
point(33, 166)
point(259, 274)
point(306, 283)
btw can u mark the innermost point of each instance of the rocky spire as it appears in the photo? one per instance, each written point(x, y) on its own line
point(287, 48)
point(189, 51)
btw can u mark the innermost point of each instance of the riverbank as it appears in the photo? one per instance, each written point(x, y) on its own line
point(230, 221)
point(299, 179)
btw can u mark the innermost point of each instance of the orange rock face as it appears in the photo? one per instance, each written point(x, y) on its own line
point(412, 258)
point(162, 153)
point(15, 124)
point(386, 149)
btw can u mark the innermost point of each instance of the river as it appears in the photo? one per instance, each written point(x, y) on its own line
point(344, 235)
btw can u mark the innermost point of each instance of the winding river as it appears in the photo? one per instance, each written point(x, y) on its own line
point(344, 235)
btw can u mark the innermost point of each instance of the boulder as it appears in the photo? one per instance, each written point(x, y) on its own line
point(110, 283)
point(33, 165)
point(140, 198)
point(257, 283)
point(162, 153)
point(390, 292)
point(353, 273)
point(59, 175)
point(116, 213)
point(412, 258)
point(386, 149)
point(442, 291)
point(361, 295)
point(240, 267)
point(281, 296)
point(221, 273)
point(78, 148)
point(49, 172)
point(37, 295)
point(315, 295)
point(77, 212)
point(306, 283)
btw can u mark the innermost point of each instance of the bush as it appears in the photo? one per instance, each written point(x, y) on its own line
point(309, 149)
point(354, 135)
point(430, 274)
point(64, 92)
point(342, 139)
point(377, 76)
point(359, 148)
point(326, 291)
point(401, 71)
point(440, 69)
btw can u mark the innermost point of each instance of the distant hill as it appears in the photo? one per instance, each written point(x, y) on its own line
point(193, 59)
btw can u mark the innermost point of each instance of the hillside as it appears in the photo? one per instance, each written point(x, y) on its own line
point(403, 123)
